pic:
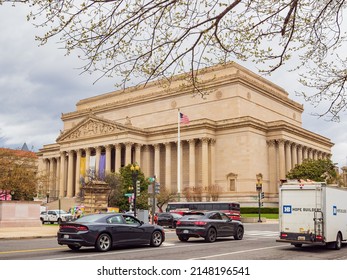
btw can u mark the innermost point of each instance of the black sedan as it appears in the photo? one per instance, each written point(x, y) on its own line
point(208, 225)
point(168, 219)
point(103, 231)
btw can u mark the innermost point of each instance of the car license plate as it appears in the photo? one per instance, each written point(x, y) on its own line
point(66, 236)
point(186, 231)
point(301, 238)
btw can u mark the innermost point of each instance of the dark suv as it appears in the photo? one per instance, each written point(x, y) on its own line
point(168, 219)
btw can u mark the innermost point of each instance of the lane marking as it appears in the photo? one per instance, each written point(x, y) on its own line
point(32, 250)
point(238, 252)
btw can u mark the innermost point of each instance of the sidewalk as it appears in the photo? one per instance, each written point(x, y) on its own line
point(28, 232)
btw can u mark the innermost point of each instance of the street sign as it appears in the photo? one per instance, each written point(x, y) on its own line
point(128, 194)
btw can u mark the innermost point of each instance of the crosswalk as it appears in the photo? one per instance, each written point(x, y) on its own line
point(261, 233)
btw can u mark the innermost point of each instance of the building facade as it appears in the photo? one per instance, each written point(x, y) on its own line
point(244, 126)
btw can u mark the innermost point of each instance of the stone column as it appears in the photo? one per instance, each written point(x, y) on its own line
point(57, 171)
point(168, 166)
point(282, 164)
point(62, 175)
point(192, 168)
point(205, 163)
point(157, 161)
point(97, 160)
point(78, 171)
point(138, 154)
point(108, 159)
point(118, 157)
point(294, 155)
point(146, 161)
point(272, 166)
point(213, 161)
point(51, 175)
point(128, 153)
point(288, 156)
point(305, 153)
point(299, 154)
point(88, 151)
point(70, 174)
point(310, 153)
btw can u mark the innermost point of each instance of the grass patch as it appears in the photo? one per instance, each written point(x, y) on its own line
point(266, 215)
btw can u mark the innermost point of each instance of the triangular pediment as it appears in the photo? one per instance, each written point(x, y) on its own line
point(90, 127)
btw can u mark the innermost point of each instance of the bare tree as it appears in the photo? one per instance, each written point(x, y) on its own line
point(160, 38)
point(213, 192)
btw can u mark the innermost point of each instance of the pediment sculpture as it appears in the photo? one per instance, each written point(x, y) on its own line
point(91, 128)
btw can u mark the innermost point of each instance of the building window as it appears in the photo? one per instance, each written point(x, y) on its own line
point(231, 179)
point(232, 185)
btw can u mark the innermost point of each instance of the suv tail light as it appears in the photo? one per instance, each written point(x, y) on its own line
point(200, 223)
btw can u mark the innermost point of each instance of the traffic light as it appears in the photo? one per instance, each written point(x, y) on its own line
point(138, 188)
point(262, 195)
point(157, 188)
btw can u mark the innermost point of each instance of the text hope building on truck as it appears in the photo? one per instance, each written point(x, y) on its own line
point(312, 213)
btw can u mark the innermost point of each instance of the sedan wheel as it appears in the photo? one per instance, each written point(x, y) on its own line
point(239, 233)
point(103, 243)
point(156, 239)
point(211, 235)
point(74, 247)
point(183, 238)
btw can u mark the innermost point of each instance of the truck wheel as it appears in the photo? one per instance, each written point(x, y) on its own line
point(338, 242)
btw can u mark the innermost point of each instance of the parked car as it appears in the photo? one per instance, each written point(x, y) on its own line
point(208, 225)
point(55, 216)
point(168, 219)
point(103, 231)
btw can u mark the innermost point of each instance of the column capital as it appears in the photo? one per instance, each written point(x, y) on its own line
point(271, 142)
point(167, 144)
point(108, 146)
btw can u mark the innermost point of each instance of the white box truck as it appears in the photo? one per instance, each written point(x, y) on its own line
point(312, 213)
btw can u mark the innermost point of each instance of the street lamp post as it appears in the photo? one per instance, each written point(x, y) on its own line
point(134, 172)
point(259, 188)
point(47, 196)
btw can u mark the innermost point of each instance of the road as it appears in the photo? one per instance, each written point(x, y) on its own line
point(258, 244)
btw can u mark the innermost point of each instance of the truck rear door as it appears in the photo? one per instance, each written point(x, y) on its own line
point(300, 213)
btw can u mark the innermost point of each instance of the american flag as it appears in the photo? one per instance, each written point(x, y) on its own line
point(184, 119)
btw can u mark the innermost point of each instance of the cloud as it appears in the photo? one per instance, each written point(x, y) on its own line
point(37, 84)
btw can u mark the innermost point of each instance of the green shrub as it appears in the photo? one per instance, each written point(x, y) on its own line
point(254, 210)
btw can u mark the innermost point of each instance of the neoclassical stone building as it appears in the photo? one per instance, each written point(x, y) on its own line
point(244, 126)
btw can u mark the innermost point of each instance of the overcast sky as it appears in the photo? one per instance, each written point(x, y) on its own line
point(37, 84)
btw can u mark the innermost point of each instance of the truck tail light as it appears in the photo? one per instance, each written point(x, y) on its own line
point(283, 235)
point(319, 238)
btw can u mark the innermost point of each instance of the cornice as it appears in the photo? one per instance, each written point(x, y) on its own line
point(162, 89)
point(299, 131)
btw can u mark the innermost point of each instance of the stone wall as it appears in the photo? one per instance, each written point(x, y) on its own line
point(20, 214)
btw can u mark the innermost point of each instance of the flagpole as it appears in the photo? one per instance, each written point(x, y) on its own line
point(178, 155)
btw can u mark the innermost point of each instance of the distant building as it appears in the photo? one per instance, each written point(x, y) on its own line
point(245, 126)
